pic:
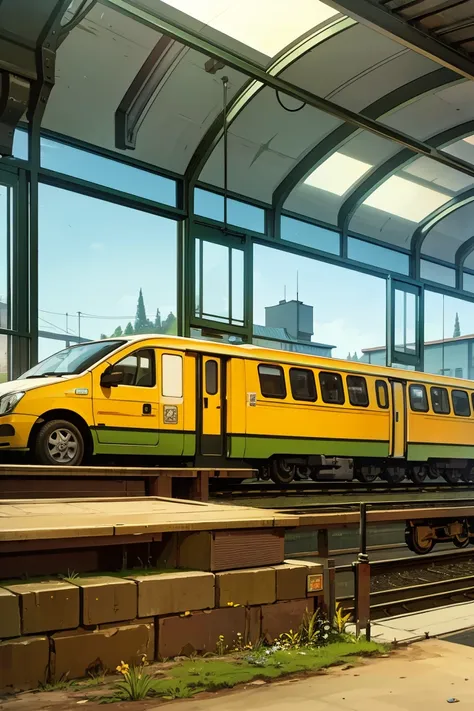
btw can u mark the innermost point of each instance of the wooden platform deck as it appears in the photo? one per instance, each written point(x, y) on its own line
point(53, 519)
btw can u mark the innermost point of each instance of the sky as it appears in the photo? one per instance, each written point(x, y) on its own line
point(94, 256)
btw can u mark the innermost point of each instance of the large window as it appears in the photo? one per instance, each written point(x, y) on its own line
point(241, 214)
point(219, 282)
point(104, 270)
point(449, 336)
point(305, 305)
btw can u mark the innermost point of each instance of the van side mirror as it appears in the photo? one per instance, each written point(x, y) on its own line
point(110, 379)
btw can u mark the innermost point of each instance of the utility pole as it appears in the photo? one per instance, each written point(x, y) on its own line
point(79, 323)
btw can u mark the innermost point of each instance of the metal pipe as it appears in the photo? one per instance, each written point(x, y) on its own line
point(225, 83)
point(363, 557)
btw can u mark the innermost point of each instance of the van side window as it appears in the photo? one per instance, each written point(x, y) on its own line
point(440, 401)
point(461, 404)
point(272, 381)
point(418, 398)
point(302, 384)
point(357, 388)
point(331, 388)
point(211, 377)
point(171, 375)
point(381, 391)
point(138, 369)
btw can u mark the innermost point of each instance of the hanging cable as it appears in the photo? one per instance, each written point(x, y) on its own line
point(225, 83)
point(292, 111)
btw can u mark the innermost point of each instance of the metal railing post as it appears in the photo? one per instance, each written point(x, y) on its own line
point(362, 578)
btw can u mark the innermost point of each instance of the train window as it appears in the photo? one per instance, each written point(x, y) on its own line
point(171, 375)
point(272, 381)
point(331, 388)
point(211, 377)
point(461, 404)
point(357, 388)
point(302, 384)
point(138, 369)
point(418, 398)
point(381, 391)
point(440, 401)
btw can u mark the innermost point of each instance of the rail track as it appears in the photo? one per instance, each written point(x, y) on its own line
point(437, 580)
point(227, 489)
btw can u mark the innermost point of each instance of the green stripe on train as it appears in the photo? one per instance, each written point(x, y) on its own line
point(422, 452)
point(144, 442)
point(265, 447)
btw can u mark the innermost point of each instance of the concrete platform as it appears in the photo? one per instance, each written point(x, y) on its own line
point(420, 625)
point(22, 520)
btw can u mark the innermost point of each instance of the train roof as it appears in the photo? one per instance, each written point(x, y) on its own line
point(254, 352)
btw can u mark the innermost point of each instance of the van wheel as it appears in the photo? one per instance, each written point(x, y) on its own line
point(59, 442)
point(281, 472)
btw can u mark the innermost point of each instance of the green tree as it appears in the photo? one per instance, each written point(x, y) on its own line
point(158, 321)
point(169, 325)
point(141, 321)
point(102, 336)
point(349, 357)
point(128, 329)
point(118, 332)
point(457, 327)
point(355, 356)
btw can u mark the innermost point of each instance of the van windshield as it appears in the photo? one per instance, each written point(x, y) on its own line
point(72, 360)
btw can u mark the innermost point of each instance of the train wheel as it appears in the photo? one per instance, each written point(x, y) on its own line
point(417, 474)
point(417, 540)
point(281, 472)
point(467, 474)
point(461, 540)
point(394, 475)
point(367, 474)
point(452, 476)
point(303, 473)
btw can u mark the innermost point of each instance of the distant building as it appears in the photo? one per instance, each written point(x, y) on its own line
point(289, 327)
point(451, 356)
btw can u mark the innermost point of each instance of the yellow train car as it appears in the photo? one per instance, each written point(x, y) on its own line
point(180, 400)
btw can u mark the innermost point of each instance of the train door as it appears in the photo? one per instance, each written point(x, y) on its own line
point(211, 404)
point(398, 419)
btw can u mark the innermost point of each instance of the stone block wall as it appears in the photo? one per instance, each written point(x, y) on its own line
point(56, 629)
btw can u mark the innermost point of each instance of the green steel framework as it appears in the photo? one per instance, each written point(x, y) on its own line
point(23, 178)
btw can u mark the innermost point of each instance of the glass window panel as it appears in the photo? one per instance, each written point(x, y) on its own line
point(440, 401)
point(5, 223)
point(449, 335)
point(215, 278)
point(418, 398)
point(266, 26)
point(104, 269)
point(49, 346)
point(241, 214)
point(437, 273)
point(4, 360)
point(171, 375)
point(272, 381)
point(357, 389)
point(381, 391)
point(308, 306)
point(405, 198)
point(338, 173)
point(105, 171)
point(237, 286)
point(378, 256)
point(211, 377)
point(332, 390)
point(461, 405)
point(20, 144)
point(405, 321)
point(468, 282)
point(303, 385)
point(138, 369)
point(310, 235)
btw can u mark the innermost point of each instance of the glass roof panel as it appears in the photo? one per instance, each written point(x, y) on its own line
point(405, 198)
point(267, 25)
point(338, 173)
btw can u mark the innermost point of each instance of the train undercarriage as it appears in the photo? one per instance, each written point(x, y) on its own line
point(284, 470)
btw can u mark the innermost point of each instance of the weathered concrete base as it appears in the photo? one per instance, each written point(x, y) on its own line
point(24, 663)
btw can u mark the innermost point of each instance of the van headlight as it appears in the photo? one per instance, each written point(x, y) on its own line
point(9, 402)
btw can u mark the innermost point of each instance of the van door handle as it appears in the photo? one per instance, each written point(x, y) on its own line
point(396, 416)
point(206, 403)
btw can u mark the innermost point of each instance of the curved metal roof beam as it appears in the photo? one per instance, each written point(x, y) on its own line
point(296, 51)
point(335, 140)
point(253, 70)
point(379, 174)
point(463, 252)
point(431, 220)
